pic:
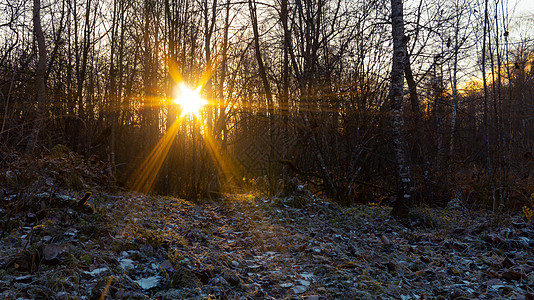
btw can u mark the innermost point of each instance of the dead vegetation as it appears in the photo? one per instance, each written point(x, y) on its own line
point(123, 245)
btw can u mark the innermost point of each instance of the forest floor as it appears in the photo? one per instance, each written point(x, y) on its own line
point(123, 245)
point(252, 247)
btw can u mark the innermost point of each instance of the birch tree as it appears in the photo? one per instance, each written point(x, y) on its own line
point(405, 189)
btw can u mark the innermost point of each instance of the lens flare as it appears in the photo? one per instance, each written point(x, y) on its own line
point(189, 99)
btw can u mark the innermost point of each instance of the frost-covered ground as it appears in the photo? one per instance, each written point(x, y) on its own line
point(252, 247)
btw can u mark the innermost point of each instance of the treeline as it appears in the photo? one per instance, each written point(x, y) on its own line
point(296, 89)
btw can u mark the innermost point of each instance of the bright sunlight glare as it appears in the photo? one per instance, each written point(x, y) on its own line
point(189, 99)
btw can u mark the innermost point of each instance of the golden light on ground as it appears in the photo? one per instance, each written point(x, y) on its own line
point(189, 100)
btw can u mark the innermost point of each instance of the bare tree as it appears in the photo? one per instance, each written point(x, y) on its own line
point(405, 192)
point(40, 75)
point(486, 102)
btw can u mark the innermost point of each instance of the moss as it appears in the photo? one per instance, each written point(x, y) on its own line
point(60, 150)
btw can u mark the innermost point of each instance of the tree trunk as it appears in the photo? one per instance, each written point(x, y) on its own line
point(284, 97)
point(266, 89)
point(405, 190)
point(40, 74)
point(454, 86)
point(486, 111)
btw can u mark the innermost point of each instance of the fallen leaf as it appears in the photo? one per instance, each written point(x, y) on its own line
point(126, 263)
point(299, 289)
point(23, 279)
point(513, 275)
point(51, 251)
point(96, 271)
point(286, 285)
point(495, 283)
point(507, 263)
point(304, 282)
point(149, 282)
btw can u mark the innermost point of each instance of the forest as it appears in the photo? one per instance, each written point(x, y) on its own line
point(273, 149)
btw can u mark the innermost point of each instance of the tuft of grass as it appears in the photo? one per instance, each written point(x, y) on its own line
point(429, 218)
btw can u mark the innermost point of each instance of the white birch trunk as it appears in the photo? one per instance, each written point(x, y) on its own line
point(405, 190)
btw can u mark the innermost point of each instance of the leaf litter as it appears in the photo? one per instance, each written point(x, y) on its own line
point(124, 245)
point(253, 247)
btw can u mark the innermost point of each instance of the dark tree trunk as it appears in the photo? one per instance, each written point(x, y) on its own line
point(40, 74)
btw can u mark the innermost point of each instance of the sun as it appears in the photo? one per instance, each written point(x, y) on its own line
point(189, 99)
